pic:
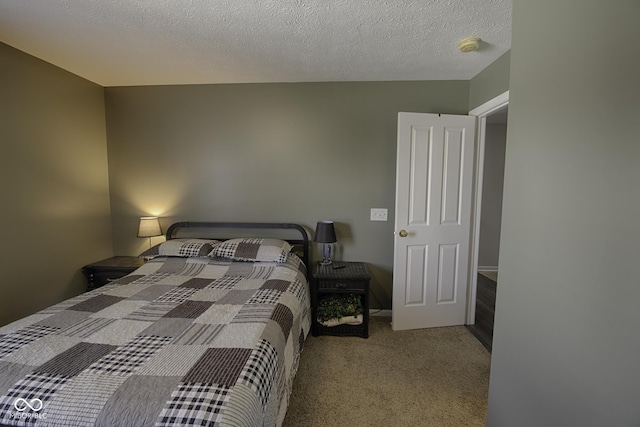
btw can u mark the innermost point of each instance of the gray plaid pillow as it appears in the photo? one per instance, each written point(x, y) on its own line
point(253, 249)
point(181, 248)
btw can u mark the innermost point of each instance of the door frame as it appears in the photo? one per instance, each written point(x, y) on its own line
point(481, 112)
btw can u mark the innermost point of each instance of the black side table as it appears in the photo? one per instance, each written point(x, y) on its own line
point(341, 278)
point(102, 272)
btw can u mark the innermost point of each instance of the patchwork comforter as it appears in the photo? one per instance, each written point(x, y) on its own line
point(181, 341)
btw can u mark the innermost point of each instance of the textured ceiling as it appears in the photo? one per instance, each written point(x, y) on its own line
point(156, 42)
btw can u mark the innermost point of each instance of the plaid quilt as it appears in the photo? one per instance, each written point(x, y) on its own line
point(180, 341)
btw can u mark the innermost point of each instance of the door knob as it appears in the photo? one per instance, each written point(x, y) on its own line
point(403, 233)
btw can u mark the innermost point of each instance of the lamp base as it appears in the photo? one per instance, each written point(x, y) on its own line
point(325, 262)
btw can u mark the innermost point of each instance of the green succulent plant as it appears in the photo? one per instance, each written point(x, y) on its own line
point(335, 306)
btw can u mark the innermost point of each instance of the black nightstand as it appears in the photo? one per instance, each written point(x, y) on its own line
point(102, 272)
point(347, 278)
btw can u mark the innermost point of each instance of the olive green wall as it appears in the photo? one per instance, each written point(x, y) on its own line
point(490, 82)
point(492, 184)
point(267, 152)
point(55, 192)
point(566, 342)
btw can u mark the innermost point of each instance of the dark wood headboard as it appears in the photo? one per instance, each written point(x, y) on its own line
point(215, 230)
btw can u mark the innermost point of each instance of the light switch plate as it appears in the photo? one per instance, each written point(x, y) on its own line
point(379, 214)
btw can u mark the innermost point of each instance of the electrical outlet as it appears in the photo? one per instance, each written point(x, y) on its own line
point(379, 214)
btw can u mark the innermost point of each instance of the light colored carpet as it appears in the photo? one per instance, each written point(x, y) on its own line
point(427, 377)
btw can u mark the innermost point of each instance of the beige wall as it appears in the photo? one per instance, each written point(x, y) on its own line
point(55, 216)
point(267, 152)
point(566, 342)
point(492, 184)
point(490, 82)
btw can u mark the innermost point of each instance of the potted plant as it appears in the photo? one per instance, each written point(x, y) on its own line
point(340, 309)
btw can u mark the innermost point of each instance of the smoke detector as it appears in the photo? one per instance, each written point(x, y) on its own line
point(469, 44)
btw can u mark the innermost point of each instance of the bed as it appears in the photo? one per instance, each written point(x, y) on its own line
point(207, 332)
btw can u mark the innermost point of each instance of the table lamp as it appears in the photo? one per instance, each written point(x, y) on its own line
point(325, 234)
point(149, 227)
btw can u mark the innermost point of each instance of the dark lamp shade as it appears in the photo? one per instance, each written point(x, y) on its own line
point(325, 232)
point(149, 227)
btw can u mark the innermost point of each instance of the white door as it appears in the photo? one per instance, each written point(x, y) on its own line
point(434, 177)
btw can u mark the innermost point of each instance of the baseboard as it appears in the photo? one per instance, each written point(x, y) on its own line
point(488, 268)
point(379, 313)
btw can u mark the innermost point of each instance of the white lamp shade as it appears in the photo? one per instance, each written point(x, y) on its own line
point(149, 227)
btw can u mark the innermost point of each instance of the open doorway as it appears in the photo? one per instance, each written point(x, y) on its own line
point(484, 271)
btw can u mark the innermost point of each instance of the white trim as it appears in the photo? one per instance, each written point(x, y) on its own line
point(491, 106)
point(481, 112)
point(491, 268)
